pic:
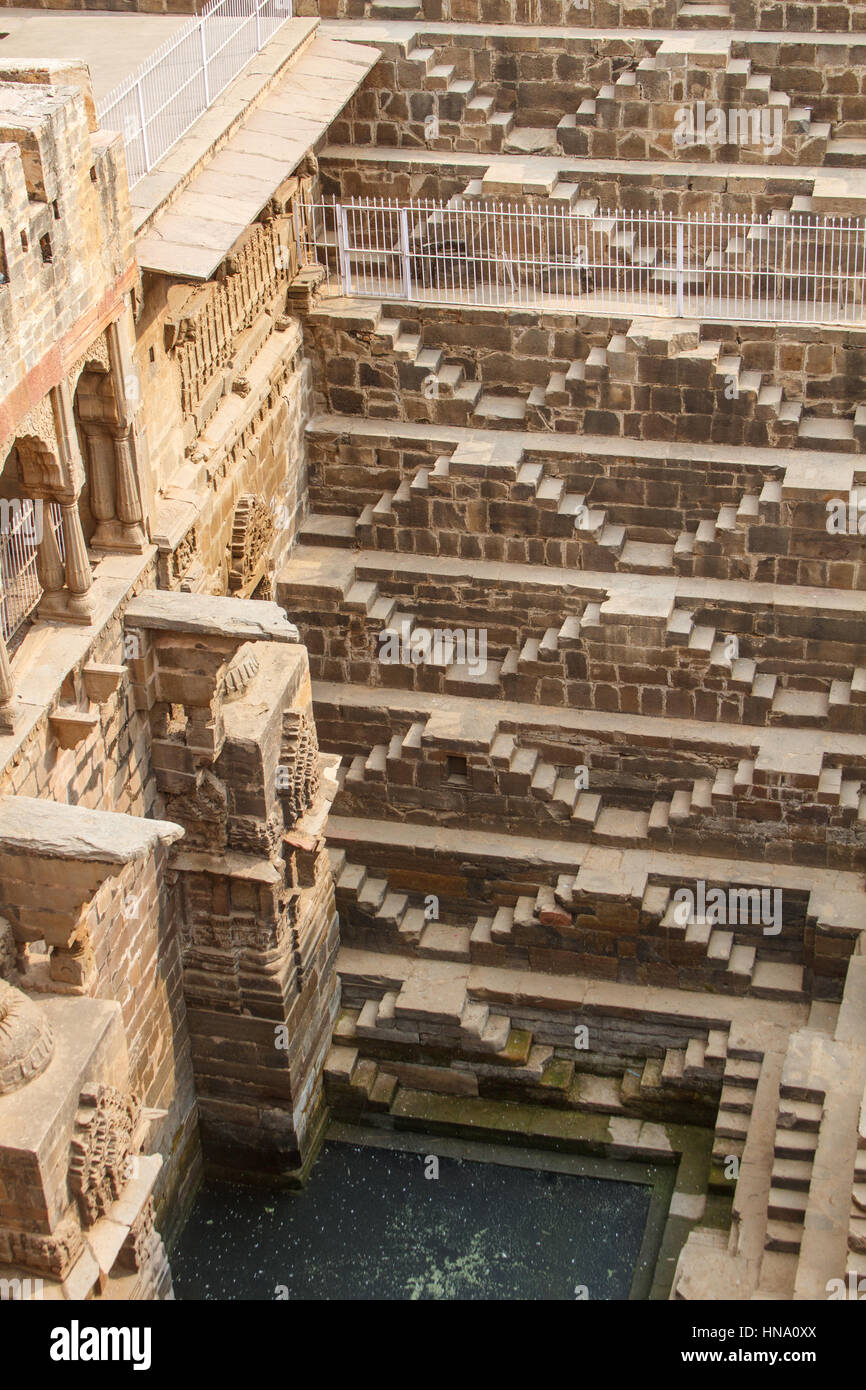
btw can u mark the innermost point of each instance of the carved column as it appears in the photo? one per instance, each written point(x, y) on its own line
point(79, 579)
point(127, 395)
point(7, 690)
point(49, 567)
point(101, 484)
point(128, 503)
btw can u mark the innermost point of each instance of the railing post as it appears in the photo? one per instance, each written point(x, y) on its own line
point(343, 244)
point(680, 270)
point(258, 25)
point(404, 248)
point(143, 123)
point(204, 61)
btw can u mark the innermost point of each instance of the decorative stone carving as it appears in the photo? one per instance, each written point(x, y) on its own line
point(202, 810)
point(26, 1039)
point(95, 357)
point(52, 1255)
point(240, 674)
point(184, 554)
point(39, 424)
point(8, 952)
point(101, 1148)
point(39, 468)
point(299, 758)
point(252, 531)
point(136, 1249)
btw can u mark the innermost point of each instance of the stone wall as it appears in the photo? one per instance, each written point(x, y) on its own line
point(604, 14)
point(62, 190)
point(406, 174)
point(591, 374)
point(226, 391)
point(236, 758)
point(636, 87)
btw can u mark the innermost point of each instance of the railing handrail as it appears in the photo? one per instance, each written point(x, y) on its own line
point(807, 268)
point(237, 15)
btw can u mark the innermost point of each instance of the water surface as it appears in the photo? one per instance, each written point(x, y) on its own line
point(370, 1225)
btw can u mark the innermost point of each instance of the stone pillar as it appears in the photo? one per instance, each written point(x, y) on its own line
point(79, 579)
point(7, 690)
point(128, 503)
point(49, 567)
point(101, 485)
point(127, 395)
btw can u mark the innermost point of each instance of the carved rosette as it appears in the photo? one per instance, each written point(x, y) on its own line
point(299, 756)
point(252, 532)
point(102, 1146)
point(26, 1039)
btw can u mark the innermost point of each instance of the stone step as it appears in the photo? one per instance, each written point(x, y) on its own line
point(372, 894)
point(639, 557)
point(503, 412)
point(742, 1071)
point(620, 826)
point(532, 140)
point(732, 1125)
point(772, 980)
point(783, 1237)
point(799, 1115)
point(673, 1066)
point(742, 962)
point(787, 1204)
point(700, 16)
point(819, 432)
point(736, 1098)
point(441, 941)
point(325, 528)
point(599, 1095)
point(795, 1145)
point(792, 1173)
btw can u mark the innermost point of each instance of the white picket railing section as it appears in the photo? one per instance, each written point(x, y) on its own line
point(785, 268)
point(20, 534)
point(154, 107)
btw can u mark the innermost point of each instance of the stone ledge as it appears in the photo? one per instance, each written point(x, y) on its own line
point(234, 618)
point(36, 827)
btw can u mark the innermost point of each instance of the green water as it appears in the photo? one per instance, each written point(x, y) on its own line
point(375, 1223)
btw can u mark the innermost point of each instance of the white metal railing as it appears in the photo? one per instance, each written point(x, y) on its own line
point(784, 268)
point(20, 535)
point(165, 96)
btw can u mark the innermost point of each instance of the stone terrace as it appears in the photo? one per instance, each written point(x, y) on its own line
point(634, 515)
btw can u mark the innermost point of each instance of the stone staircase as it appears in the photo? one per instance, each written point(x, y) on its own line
point(378, 918)
point(522, 509)
point(387, 1028)
point(857, 1216)
point(742, 1069)
point(665, 362)
point(458, 108)
point(797, 1131)
point(695, 551)
point(522, 787)
point(608, 124)
point(694, 15)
